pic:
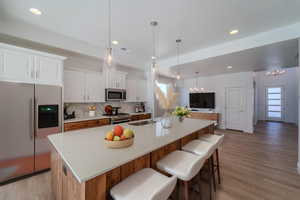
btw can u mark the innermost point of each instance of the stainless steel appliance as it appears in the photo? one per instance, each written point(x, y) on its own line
point(28, 114)
point(119, 118)
point(115, 95)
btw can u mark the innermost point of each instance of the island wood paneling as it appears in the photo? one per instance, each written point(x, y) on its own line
point(206, 116)
point(66, 187)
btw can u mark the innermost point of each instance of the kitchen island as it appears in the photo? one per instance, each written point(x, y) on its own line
point(83, 168)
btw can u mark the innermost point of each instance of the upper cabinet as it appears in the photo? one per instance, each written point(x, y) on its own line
point(115, 79)
point(28, 66)
point(83, 87)
point(136, 91)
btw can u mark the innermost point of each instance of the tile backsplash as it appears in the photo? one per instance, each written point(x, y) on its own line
point(81, 109)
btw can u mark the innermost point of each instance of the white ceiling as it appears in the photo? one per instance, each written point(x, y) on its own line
point(199, 23)
point(274, 56)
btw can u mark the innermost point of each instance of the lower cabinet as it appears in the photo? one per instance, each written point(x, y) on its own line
point(71, 126)
point(140, 117)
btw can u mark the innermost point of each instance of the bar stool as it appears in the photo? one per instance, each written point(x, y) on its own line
point(146, 184)
point(183, 165)
point(206, 150)
point(217, 141)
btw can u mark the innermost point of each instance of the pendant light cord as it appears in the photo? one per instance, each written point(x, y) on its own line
point(109, 24)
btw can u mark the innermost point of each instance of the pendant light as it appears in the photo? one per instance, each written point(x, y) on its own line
point(109, 57)
point(178, 41)
point(154, 57)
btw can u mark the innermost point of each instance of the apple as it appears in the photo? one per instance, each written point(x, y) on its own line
point(117, 138)
point(109, 135)
point(128, 133)
point(118, 130)
point(123, 137)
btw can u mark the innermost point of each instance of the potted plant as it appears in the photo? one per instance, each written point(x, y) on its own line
point(181, 112)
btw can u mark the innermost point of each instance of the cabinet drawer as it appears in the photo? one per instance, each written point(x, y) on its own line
point(103, 122)
point(75, 126)
point(92, 123)
point(146, 116)
point(85, 124)
point(135, 117)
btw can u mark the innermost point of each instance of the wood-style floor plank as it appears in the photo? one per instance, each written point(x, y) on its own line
point(259, 166)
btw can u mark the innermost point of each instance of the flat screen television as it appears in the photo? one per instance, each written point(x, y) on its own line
point(202, 100)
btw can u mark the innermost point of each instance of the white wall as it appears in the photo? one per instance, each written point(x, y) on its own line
point(299, 116)
point(289, 82)
point(218, 84)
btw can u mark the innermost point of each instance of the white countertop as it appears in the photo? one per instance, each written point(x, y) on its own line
point(85, 154)
point(97, 117)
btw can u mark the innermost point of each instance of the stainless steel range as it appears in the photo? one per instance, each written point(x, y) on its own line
point(119, 118)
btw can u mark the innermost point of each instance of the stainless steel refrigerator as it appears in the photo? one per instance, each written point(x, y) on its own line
point(28, 114)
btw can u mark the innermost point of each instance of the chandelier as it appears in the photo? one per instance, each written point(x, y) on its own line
point(276, 72)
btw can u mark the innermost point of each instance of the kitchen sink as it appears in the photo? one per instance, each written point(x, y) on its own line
point(142, 123)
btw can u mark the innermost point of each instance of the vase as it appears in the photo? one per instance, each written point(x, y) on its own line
point(180, 118)
point(166, 120)
point(92, 113)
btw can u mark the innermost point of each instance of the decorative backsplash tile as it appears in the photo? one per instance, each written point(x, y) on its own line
point(81, 109)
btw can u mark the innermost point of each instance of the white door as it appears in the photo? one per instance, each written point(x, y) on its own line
point(74, 87)
point(94, 87)
point(48, 70)
point(274, 103)
point(16, 66)
point(235, 108)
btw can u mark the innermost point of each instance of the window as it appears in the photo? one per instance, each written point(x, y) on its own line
point(163, 87)
point(274, 103)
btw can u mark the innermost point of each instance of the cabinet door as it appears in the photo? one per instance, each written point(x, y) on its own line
point(16, 66)
point(74, 86)
point(141, 91)
point(122, 81)
point(131, 90)
point(95, 91)
point(48, 70)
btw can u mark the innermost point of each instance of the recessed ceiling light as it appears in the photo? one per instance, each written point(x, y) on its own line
point(229, 67)
point(233, 32)
point(115, 42)
point(35, 11)
point(153, 57)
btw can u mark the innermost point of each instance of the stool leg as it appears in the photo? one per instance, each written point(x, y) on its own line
point(186, 190)
point(199, 185)
point(213, 172)
point(209, 179)
point(218, 166)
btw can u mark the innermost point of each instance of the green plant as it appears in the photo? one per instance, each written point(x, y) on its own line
point(181, 111)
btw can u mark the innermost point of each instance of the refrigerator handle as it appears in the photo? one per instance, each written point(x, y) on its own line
point(36, 117)
point(31, 120)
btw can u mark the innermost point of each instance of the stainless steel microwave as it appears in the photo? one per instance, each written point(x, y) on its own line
point(115, 95)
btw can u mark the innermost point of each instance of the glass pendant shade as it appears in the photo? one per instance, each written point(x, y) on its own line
point(109, 57)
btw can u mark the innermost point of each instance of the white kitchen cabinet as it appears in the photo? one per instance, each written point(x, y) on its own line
point(48, 70)
point(115, 79)
point(16, 66)
point(74, 86)
point(29, 66)
point(94, 87)
point(136, 91)
point(83, 87)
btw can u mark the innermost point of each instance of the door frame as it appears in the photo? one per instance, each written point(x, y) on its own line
point(282, 103)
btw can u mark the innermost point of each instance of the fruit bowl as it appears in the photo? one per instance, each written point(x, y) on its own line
point(119, 144)
point(119, 138)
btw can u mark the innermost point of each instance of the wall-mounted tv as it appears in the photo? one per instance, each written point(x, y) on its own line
point(202, 100)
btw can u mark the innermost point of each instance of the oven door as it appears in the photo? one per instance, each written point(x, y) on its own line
point(113, 95)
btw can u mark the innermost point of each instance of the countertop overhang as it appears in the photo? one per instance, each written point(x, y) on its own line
point(84, 152)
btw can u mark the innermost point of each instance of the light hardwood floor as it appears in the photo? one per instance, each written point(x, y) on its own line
point(260, 166)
